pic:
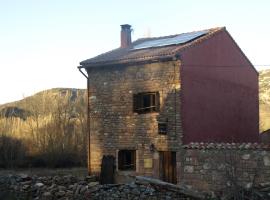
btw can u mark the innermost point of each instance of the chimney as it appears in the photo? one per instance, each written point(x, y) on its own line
point(125, 35)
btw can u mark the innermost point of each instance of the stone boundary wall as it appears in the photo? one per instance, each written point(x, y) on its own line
point(222, 167)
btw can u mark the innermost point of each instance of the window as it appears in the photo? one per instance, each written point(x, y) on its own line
point(146, 102)
point(127, 160)
point(162, 128)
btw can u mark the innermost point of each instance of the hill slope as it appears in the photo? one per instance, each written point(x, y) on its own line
point(42, 102)
point(264, 85)
point(49, 127)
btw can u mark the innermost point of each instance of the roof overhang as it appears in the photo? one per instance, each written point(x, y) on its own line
point(130, 62)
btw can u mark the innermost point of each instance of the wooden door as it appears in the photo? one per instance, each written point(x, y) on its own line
point(167, 166)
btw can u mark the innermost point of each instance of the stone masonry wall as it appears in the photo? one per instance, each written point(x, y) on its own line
point(223, 167)
point(114, 125)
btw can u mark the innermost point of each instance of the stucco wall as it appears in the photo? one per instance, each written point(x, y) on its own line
point(219, 93)
point(115, 126)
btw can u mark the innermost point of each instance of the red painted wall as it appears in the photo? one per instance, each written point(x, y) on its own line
point(219, 93)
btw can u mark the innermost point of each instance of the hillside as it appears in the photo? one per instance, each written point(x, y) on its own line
point(264, 85)
point(46, 129)
point(40, 101)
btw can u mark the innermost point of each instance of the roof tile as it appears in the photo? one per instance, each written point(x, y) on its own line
point(127, 55)
point(238, 146)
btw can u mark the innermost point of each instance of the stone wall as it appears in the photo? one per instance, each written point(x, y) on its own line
point(221, 167)
point(114, 125)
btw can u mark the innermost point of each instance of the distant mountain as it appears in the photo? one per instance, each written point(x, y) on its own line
point(264, 85)
point(39, 101)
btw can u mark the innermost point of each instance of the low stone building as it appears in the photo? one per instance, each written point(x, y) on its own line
point(150, 97)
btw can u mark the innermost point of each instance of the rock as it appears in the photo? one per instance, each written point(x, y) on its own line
point(267, 184)
point(246, 156)
point(92, 189)
point(69, 193)
point(206, 166)
point(82, 183)
point(221, 167)
point(47, 196)
point(168, 197)
point(60, 193)
point(189, 169)
point(248, 185)
point(26, 183)
point(90, 178)
point(26, 187)
point(135, 191)
point(25, 177)
point(70, 187)
point(39, 185)
point(83, 189)
point(92, 184)
point(132, 185)
point(52, 186)
point(78, 190)
point(63, 188)
point(75, 187)
point(149, 191)
point(266, 161)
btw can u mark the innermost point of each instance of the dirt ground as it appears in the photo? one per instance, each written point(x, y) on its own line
point(79, 172)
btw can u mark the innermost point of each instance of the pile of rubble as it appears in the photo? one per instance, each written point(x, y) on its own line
point(69, 187)
point(24, 187)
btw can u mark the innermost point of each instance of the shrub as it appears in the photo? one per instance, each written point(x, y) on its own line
point(12, 152)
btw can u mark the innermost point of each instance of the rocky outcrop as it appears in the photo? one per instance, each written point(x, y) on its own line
point(13, 111)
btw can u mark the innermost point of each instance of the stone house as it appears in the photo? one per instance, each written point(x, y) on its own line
point(149, 97)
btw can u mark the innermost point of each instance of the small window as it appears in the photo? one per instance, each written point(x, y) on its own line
point(146, 102)
point(162, 128)
point(127, 160)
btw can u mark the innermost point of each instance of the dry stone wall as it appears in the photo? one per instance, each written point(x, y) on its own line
point(222, 167)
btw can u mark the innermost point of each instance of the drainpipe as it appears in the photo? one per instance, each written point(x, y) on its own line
point(88, 119)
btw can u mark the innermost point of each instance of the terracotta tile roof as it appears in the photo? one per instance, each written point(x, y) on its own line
point(237, 146)
point(130, 55)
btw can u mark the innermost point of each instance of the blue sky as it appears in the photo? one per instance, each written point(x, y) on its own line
point(43, 41)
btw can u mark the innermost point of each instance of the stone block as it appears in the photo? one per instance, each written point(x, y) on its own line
point(206, 166)
point(189, 169)
point(245, 156)
point(266, 161)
